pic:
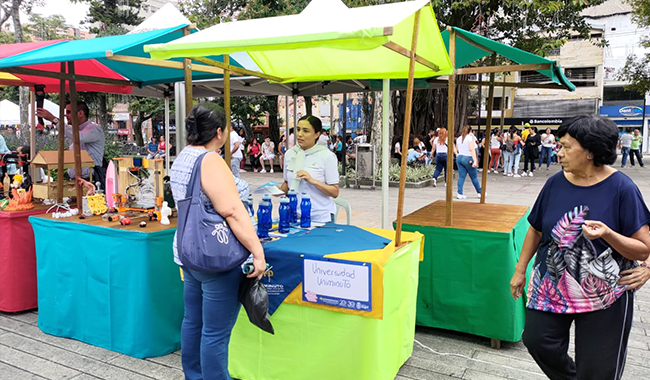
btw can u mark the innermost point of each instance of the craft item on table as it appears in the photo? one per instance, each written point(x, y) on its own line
point(135, 191)
point(21, 198)
point(3, 203)
point(165, 213)
point(94, 205)
point(111, 184)
point(125, 221)
point(143, 224)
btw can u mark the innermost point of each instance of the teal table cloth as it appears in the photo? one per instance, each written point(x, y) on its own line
point(465, 277)
point(111, 286)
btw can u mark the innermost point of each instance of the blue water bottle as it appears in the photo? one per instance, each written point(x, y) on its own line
point(262, 217)
point(305, 211)
point(250, 205)
point(293, 206)
point(285, 215)
point(267, 197)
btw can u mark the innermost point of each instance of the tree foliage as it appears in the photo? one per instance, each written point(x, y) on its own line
point(145, 109)
point(206, 13)
point(109, 17)
point(637, 68)
point(45, 27)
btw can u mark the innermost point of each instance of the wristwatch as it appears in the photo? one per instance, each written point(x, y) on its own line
point(55, 120)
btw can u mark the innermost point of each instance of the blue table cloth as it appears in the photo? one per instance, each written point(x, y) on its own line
point(285, 256)
point(116, 288)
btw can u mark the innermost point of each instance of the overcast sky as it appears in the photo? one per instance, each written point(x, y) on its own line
point(73, 13)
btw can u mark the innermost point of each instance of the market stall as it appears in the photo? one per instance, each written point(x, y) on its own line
point(18, 261)
point(109, 285)
point(467, 267)
point(367, 339)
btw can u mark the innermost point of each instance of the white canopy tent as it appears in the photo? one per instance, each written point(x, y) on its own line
point(10, 112)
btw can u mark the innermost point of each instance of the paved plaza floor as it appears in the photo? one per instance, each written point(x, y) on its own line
point(27, 353)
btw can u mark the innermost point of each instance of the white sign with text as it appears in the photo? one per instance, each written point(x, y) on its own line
point(337, 283)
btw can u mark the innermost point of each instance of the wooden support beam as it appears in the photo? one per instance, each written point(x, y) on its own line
point(226, 106)
point(75, 135)
point(508, 84)
point(407, 53)
point(478, 46)
point(407, 130)
point(68, 77)
point(61, 127)
point(488, 131)
point(451, 100)
point(237, 70)
point(503, 69)
point(165, 64)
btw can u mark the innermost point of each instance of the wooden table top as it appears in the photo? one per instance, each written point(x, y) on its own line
point(154, 226)
point(469, 216)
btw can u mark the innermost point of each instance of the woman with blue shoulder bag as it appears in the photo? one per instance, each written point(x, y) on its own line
point(211, 253)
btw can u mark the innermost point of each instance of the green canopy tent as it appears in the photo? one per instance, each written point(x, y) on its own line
point(329, 41)
point(465, 48)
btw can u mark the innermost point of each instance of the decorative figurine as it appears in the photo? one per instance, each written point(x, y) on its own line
point(165, 212)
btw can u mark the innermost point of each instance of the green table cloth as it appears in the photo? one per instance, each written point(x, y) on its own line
point(116, 288)
point(317, 344)
point(465, 280)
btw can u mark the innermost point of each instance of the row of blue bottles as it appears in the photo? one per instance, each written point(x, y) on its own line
point(285, 216)
point(305, 211)
point(293, 206)
point(263, 220)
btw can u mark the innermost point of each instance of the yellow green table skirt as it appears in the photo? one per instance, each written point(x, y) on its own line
point(318, 344)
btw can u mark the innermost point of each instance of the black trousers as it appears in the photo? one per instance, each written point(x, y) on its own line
point(530, 155)
point(600, 341)
point(637, 153)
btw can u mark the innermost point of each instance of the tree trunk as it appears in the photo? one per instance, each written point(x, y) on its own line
point(137, 129)
point(23, 92)
point(375, 131)
point(274, 127)
point(103, 113)
point(308, 104)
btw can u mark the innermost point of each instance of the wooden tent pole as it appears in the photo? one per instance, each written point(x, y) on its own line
point(75, 135)
point(187, 69)
point(488, 131)
point(61, 129)
point(32, 134)
point(503, 105)
point(226, 106)
point(407, 130)
point(451, 98)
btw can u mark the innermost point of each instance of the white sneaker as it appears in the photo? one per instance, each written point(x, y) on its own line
point(523, 174)
point(435, 183)
point(478, 195)
point(510, 175)
point(530, 174)
point(271, 170)
point(505, 174)
point(460, 196)
point(517, 175)
point(263, 171)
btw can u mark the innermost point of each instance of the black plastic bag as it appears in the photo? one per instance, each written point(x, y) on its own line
point(253, 295)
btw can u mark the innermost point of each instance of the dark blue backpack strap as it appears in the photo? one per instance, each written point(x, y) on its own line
point(194, 186)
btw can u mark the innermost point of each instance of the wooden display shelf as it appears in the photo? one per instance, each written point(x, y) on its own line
point(469, 216)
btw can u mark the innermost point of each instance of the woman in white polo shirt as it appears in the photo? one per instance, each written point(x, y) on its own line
point(313, 169)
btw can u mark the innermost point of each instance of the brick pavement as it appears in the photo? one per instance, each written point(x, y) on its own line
point(27, 353)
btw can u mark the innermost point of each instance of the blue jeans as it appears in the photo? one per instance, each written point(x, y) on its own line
point(211, 309)
point(625, 151)
point(441, 164)
point(546, 152)
point(464, 168)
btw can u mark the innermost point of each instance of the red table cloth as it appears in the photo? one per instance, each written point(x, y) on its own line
point(17, 261)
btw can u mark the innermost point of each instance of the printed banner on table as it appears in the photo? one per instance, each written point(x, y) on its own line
point(340, 283)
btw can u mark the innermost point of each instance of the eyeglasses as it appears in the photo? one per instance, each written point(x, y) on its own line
point(68, 112)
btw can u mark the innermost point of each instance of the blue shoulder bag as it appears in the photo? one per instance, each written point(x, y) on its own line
point(205, 242)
